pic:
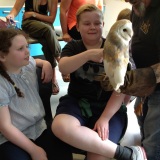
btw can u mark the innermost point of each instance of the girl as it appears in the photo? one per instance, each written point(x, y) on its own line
point(83, 119)
point(37, 21)
point(23, 133)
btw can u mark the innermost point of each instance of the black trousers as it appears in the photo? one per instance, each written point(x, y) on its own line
point(54, 148)
point(45, 92)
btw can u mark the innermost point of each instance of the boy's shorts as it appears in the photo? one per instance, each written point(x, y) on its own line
point(117, 124)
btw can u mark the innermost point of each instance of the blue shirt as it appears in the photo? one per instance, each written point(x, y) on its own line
point(26, 113)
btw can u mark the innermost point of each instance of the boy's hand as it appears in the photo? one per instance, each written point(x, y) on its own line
point(95, 55)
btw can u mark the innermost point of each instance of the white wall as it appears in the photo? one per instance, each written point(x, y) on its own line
point(7, 2)
point(112, 9)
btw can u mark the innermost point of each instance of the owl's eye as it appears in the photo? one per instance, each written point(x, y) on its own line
point(124, 30)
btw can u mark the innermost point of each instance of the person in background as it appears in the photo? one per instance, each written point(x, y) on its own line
point(89, 118)
point(38, 21)
point(23, 132)
point(124, 14)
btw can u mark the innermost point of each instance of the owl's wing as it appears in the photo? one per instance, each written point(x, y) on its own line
point(115, 64)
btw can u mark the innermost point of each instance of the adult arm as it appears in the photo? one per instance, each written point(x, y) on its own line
point(140, 82)
point(15, 10)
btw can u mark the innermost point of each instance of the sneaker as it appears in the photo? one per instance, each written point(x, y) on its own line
point(138, 153)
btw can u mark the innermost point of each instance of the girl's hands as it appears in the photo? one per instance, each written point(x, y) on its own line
point(47, 72)
point(38, 154)
point(101, 126)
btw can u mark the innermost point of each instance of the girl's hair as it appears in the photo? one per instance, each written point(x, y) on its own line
point(6, 37)
point(87, 8)
point(36, 5)
point(124, 14)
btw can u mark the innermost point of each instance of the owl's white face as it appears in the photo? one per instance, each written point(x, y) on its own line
point(125, 31)
point(90, 26)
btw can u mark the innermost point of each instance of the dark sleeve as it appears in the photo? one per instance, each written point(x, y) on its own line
point(72, 48)
point(157, 35)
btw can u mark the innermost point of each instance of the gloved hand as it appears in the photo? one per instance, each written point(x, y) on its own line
point(139, 82)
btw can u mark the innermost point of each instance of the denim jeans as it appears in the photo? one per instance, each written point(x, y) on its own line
point(150, 126)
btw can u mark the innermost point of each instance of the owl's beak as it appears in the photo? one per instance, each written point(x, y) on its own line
point(130, 34)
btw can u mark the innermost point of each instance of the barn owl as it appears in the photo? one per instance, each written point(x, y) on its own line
point(116, 52)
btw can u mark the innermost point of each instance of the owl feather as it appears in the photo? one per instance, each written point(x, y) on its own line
point(116, 52)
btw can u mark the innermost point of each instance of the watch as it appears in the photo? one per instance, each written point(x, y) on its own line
point(34, 15)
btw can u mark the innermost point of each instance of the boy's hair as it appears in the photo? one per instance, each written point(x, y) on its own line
point(124, 14)
point(6, 37)
point(87, 8)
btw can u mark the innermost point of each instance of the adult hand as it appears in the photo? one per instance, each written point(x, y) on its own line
point(8, 17)
point(139, 82)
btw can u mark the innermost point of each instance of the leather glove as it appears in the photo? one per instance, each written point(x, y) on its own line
point(139, 82)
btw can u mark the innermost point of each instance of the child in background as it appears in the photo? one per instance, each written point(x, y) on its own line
point(23, 132)
point(124, 14)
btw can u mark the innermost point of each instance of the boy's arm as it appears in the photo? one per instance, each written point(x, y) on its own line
point(113, 105)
